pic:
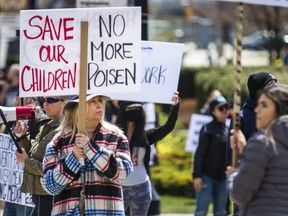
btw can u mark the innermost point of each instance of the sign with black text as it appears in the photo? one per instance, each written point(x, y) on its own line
point(160, 71)
point(50, 51)
point(11, 174)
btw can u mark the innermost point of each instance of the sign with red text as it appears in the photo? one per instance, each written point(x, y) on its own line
point(161, 64)
point(50, 51)
point(278, 3)
point(101, 3)
point(11, 174)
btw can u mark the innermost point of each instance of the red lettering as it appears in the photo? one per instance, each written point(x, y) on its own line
point(67, 29)
point(51, 53)
point(44, 81)
point(37, 26)
point(50, 28)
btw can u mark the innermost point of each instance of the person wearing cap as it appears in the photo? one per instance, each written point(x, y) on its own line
point(210, 161)
point(131, 118)
point(33, 152)
point(255, 83)
point(94, 187)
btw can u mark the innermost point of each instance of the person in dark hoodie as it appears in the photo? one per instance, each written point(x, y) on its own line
point(256, 82)
point(260, 186)
point(210, 161)
point(131, 119)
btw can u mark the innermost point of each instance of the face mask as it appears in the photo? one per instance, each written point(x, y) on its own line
point(133, 115)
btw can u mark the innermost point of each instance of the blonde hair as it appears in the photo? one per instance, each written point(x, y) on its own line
point(70, 119)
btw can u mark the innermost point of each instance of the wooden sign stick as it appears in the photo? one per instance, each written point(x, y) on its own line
point(83, 78)
point(82, 111)
point(237, 78)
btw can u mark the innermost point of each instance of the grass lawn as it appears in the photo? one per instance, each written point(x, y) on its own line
point(182, 205)
point(174, 204)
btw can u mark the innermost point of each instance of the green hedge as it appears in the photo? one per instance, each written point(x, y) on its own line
point(197, 83)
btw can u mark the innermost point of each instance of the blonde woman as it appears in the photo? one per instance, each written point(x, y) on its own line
point(260, 185)
point(107, 163)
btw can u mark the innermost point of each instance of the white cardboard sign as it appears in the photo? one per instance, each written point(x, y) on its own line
point(160, 71)
point(101, 3)
point(11, 174)
point(50, 50)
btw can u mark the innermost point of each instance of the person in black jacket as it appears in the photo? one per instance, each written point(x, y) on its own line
point(210, 161)
point(131, 119)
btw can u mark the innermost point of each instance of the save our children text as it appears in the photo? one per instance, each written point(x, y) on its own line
point(59, 31)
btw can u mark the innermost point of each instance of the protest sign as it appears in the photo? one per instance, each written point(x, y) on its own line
point(50, 51)
point(278, 3)
point(11, 174)
point(101, 3)
point(195, 125)
point(161, 64)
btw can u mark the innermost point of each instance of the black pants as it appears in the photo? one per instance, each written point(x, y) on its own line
point(43, 205)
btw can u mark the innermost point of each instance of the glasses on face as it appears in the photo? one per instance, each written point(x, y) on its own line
point(51, 100)
point(222, 107)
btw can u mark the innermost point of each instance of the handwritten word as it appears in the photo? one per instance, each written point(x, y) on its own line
point(110, 51)
point(7, 144)
point(42, 80)
point(11, 176)
point(49, 28)
point(11, 193)
point(50, 53)
point(110, 76)
point(155, 74)
point(7, 159)
point(118, 20)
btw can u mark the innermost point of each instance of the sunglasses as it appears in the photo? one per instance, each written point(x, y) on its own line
point(222, 107)
point(51, 100)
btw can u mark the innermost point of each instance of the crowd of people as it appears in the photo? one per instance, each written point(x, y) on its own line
point(104, 170)
point(257, 183)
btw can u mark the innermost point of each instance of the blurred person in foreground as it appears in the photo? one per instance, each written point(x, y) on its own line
point(260, 186)
point(33, 151)
point(255, 83)
point(95, 187)
point(131, 118)
point(210, 161)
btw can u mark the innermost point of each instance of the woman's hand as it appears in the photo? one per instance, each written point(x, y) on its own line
point(237, 140)
point(230, 170)
point(81, 141)
point(198, 184)
point(176, 99)
point(21, 157)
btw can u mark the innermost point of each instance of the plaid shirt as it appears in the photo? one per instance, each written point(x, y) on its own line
point(108, 164)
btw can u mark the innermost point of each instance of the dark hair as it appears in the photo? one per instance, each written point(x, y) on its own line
point(139, 138)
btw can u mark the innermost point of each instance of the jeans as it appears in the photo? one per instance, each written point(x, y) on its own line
point(215, 191)
point(13, 209)
point(43, 205)
point(138, 198)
